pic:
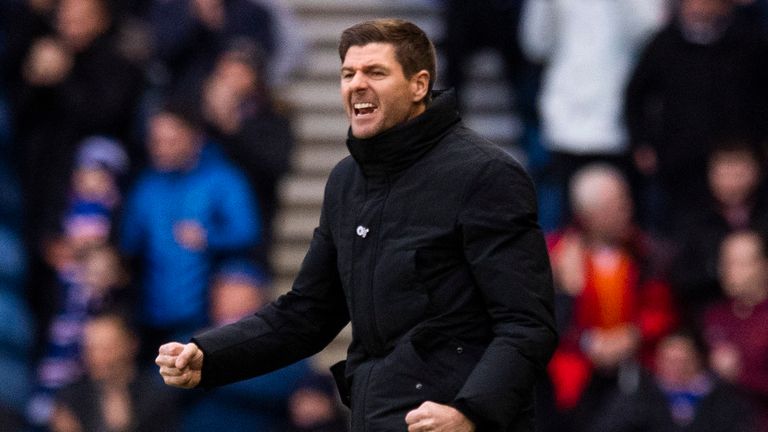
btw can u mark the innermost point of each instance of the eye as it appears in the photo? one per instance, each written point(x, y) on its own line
point(347, 75)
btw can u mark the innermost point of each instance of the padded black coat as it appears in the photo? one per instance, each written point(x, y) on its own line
point(428, 242)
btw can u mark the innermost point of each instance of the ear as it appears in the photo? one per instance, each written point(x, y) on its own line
point(420, 85)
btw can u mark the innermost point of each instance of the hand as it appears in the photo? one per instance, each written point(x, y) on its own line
point(191, 235)
point(726, 361)
point(609, 348)
point(180, 365)
point(568, 265)
point(435, 417)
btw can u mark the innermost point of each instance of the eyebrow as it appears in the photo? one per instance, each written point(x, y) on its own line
point(366, 68)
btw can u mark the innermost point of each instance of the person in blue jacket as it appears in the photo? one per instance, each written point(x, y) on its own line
point(191, 208)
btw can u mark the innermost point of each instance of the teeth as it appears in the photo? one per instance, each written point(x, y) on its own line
point(364, 105)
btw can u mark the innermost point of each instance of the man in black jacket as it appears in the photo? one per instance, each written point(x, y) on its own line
point(428, 243)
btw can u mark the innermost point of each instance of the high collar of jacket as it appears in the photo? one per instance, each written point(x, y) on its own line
point(396, 149)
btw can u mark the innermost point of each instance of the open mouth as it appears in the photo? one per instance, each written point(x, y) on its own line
point(364, 108)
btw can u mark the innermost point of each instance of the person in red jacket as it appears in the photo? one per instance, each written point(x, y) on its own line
point(618, 304)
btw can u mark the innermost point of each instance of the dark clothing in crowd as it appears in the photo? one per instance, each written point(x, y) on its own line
point(189, 48)
point(684, 95)
point(19, 27)
point(647, 407)
point(154, 407)
point(428, 243)
point(694, 274)
point(262, 150)
point(473, 26)
point(97, 97)
point(743, 328)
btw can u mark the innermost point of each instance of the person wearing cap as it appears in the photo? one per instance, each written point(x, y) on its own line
point(95, 193)
point(428, 243)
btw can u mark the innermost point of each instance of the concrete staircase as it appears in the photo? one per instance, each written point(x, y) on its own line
point(321, 125)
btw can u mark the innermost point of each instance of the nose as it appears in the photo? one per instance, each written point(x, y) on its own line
point(358, 82)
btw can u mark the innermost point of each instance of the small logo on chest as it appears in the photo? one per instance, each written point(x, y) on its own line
point(362, 231)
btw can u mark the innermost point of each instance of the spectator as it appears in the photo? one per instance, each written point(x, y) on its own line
point(95, 191)
point(73, 85)
point(588, 49)
point(91, 280)
point(190, 35)
point(737, 201)
point(680, 396)
point(185, 212)
point(735, 329)
point(239, 110)
point(261, 404)
point(618, 303)
point(703, 75)
point(114, 396)
point(314, 407)
point(290, 48)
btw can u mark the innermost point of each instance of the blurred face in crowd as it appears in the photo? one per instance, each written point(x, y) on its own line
point(102, 269)
point(701, 15)
point(173, 144)
point(733, 176)
point(233, 298)
point(677, 361)
point(375, 91)
point(603, 205)
point(80, 22)
point(109, 347)
point(239, 76)
point(743, 267)
point(310, 407)
point(93, 183)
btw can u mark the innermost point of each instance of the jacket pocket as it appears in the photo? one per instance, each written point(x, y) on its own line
point(450, 359)
point(338, 371)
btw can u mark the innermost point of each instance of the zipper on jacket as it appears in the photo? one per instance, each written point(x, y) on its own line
point(370, 323)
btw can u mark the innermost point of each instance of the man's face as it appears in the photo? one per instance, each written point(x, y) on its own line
point(375, 91)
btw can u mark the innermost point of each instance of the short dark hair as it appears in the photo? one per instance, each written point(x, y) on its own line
point(413, 49)
point(737, 143)
point(184, 111)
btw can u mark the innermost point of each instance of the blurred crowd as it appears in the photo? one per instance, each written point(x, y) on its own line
point(142, 142)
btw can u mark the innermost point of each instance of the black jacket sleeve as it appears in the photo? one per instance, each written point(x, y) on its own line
point(296, 325)
point(508, 258)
